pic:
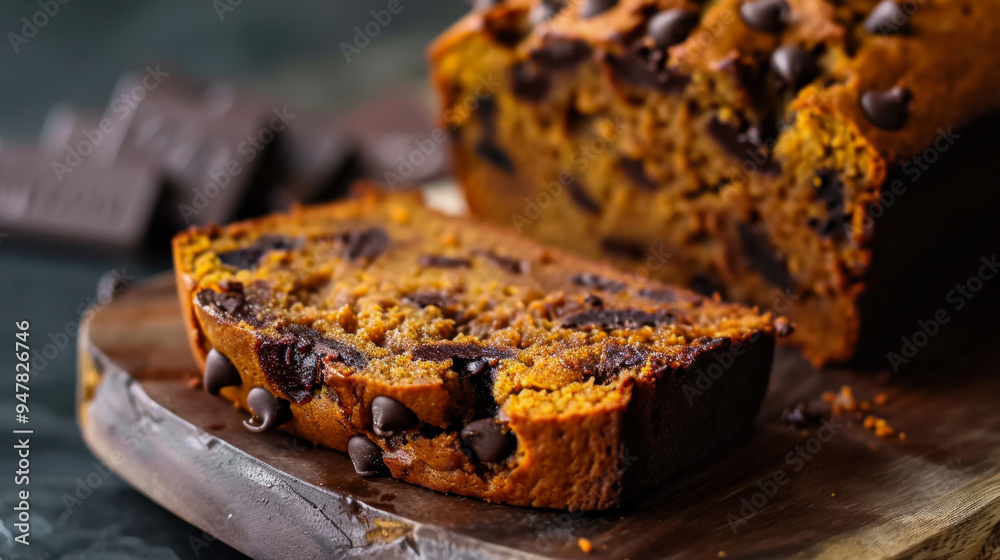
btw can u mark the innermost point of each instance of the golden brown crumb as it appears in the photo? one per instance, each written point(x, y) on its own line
point(883, 429)
point(194, 382)
point(902, 436)
point(722, 554)
point(881, 399)
point(872, 447)
point(844, 401)
point(585, 545)
point(828, 396)
point(880, 426)
point(833, 494)
point(865, 405)
point(805, 433)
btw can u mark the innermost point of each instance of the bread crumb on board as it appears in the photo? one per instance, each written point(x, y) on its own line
point(585, 545)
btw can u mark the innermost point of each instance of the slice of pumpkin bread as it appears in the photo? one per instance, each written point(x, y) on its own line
point(466, 359)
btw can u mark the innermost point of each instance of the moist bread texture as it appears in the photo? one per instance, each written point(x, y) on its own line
point(761, 143)
point(464, 358)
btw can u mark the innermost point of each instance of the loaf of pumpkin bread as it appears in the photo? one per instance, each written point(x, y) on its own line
point(467, 359)
point(819, 158)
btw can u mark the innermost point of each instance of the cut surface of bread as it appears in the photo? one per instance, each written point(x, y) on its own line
point(464, 358)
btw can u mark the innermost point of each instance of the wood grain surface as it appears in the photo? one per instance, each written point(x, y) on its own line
point(839, 492)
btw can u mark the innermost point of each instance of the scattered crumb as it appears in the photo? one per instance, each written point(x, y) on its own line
point(843, 401)
point(805, 433)
point(881, 399)
point(828, 396)
point(865, 405)
point(194, 382)
point(584, 545)
point(902, 436)
point(883, 429)
point(833, 494)
point(722, 554)
point(879, 426)
point(872, 447)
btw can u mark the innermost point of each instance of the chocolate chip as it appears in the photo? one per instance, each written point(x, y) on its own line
point(887, 109)
point(608, 319)
point(219, 373)
point(390, 416)
point(612, 361)
point(249, 256)
point(441, 261)
point(235, 304)
point(888, 18)
point(743, 143)
point(768, 16)
point(513, 266)
point(424, 299)
point(544, 11)
point(528, 82)
point(365, 456)
point(762, 257)
point(670, 27)
point(475, 367)
point(645, 69)
point(488, 439)
point(830, 191)
point(366, 244)
point(591, 8)
point(794, 65)
point(579, 195)
point(799, 416)
point(561, 55)
point(443, 351)
point(494, 155)
point(486, 114)
point(590, 280)
point(636, 172)
point(623, 248)
point(292, 362)
point(269, 411)
point(593, 301)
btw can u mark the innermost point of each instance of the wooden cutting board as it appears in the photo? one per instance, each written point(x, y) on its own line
point(780, 493)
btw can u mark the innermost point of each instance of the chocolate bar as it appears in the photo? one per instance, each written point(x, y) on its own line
point(111, 206)
point(214, 144)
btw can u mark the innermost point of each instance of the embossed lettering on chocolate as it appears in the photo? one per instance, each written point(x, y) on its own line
point(464, 358)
